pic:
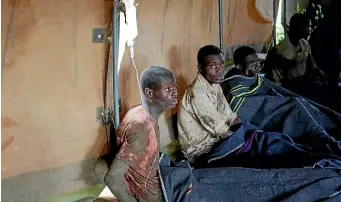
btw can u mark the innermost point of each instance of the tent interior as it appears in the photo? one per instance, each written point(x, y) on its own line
point(57, 77)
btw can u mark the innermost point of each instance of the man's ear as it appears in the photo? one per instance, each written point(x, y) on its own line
point(200, 68)
point(149, 93)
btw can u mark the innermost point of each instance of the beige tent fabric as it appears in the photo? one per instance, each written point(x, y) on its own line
point(57, 73)
point(171, 35)
point(265, 8)
point(52, 85)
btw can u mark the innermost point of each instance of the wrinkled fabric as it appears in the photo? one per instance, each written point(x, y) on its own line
point(138, 136)
point(272, 150)
point(284, 126)
point(246, 184)
point(253, 148)
point(204, 117)
point(274, 109)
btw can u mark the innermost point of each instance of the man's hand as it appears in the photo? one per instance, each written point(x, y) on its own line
point(236, 121)
point(227, 134)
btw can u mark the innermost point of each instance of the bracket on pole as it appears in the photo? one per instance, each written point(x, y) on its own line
point(98, 35)
point(104, 116)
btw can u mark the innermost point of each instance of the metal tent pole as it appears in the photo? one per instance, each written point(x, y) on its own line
point(115, 40)
point(221, 39)
point(274, 5)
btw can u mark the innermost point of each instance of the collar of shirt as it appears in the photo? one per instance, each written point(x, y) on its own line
point(210, 87)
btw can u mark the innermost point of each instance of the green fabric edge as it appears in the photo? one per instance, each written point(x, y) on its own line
point(92, 191)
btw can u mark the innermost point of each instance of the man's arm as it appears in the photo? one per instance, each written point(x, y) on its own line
point(115, 181)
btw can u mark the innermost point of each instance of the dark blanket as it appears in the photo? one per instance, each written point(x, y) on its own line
point(180, 182)
point(286, 131)
point(273, 109)
point(252, 148)
point(315, 89)
point(279, 129)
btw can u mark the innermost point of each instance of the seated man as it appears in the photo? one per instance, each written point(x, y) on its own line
point(291, 58)
point(290, 64)
point(246, 62)
point(204, 115)
point(133, 174)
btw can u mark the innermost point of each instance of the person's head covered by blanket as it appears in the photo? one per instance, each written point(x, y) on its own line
point(204, 115)
point(133, 174)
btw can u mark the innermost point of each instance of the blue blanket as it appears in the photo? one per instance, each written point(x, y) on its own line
point(180, 182)
point(253, 148)
point(273, 109)
point(279, 130)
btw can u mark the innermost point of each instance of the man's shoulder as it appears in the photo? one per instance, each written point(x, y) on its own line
point(136, 117)
point(195, 88)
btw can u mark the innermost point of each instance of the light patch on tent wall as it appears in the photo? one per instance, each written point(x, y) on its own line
point(260, 10)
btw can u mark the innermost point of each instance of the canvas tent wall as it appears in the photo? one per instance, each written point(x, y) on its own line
point(53, 80)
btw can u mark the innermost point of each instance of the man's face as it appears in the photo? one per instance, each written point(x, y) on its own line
point(252, 65)
point(214, 68)
point(304, 32)
point(165, 95)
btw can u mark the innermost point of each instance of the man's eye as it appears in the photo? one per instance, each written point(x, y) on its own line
point(216, 65)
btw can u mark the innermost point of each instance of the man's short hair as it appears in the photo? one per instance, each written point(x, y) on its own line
point(207, 51)
point(153, 76)
point(241, 53)
point(298, 22)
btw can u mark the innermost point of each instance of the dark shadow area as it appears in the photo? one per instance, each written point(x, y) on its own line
point(325, 42)
point(174, 124)
point(175, 66)
point(93, 170)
